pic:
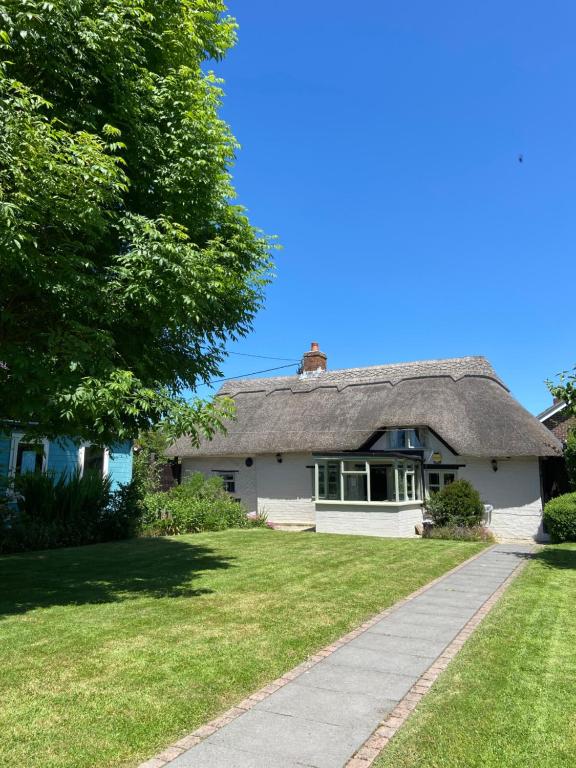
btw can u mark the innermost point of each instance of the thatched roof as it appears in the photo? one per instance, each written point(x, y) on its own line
point(461, 399)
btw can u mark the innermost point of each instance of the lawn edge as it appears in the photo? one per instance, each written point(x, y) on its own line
point(375, 745)
point(177, 748)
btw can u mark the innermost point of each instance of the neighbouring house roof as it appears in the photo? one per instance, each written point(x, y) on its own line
point(551, 411)
point(461, 399)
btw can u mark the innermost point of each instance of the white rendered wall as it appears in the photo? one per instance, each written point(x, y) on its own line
point(282, 490)
point(285, 489)
point(513, 491)
point(360, 521)
point(246, 484)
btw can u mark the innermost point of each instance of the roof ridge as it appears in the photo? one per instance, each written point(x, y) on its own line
point(276, 381)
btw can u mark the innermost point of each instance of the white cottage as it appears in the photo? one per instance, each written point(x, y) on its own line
point(358, 450)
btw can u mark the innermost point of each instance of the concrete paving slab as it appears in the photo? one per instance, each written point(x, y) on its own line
point(433, 609)
point(357, 657)
point(207, 755)
point(381, 685)
point(419, 627)
point(391, 645)
point(453, 601)
point(275, 736)
point(335, 707)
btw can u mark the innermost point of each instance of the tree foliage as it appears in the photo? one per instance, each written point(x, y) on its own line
point(125, 264)
point(564, 389)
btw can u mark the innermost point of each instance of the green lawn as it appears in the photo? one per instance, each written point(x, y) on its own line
point(509, 699)
point(110, 652)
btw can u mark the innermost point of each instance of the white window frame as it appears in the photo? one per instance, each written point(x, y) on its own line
point(221, 474)
point(441, 472)
point(17, 438)
point(81, 455)
point(410, 468)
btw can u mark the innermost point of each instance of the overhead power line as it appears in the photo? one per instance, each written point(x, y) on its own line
point(264, 357)
point(253, 373)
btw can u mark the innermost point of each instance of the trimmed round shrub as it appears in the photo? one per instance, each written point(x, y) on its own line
point(457, 504)
point(560, 517)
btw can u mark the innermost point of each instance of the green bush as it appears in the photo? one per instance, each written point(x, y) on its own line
point(198, 504)
point(459, 533)
point(570, 457)
point(560, 517)
point(67, 510)
point(457, 504)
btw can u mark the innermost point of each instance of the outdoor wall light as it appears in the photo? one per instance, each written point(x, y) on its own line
point(279, 458)
point(494, 463)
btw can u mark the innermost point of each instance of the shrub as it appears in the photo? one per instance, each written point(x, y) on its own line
point(457, 504)
point(560, 517)
point(198, 504)
point(459, 533)
point(570, 457)
point(68, 510)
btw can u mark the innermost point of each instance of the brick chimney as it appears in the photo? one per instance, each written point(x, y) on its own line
point(313, 360)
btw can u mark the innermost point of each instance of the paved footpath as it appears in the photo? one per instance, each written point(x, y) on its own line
point(323, 716)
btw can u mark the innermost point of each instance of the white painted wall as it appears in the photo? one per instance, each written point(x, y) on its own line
point(359, 521)
point(246, 479)
point(513, 491)
point(285, 489)
point(282, 490)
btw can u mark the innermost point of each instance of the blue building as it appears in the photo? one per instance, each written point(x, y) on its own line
point(18, 456)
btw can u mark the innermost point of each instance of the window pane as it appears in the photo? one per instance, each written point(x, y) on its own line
point(401, 486)
point(413, 439)
point(355, 487)
point(379, 484)
point(321, 481)
point(433, 481)
point(228, 480)
point(449, 477)
point(333, 470)
point(94, 459)
point(29, 458)
point(410, 486)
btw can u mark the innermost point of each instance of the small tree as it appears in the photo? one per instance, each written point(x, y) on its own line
point(457, 504)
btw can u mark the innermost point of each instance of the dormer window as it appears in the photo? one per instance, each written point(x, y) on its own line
point(401, 439)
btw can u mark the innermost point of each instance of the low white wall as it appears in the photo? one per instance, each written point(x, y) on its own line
point(513, 491)
point(285, 489)
point(361, 521)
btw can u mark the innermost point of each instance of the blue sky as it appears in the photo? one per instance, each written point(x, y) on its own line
point(380, 142)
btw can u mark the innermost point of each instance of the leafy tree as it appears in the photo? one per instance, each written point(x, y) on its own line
point(125, 265)
point(564, 389)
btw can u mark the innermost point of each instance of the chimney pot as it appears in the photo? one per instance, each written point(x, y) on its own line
point(314, 360)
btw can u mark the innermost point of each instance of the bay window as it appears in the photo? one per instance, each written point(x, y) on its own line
point(375, 481)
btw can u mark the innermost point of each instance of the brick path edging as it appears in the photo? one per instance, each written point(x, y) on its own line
point(195, 737)
point(376, 743)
